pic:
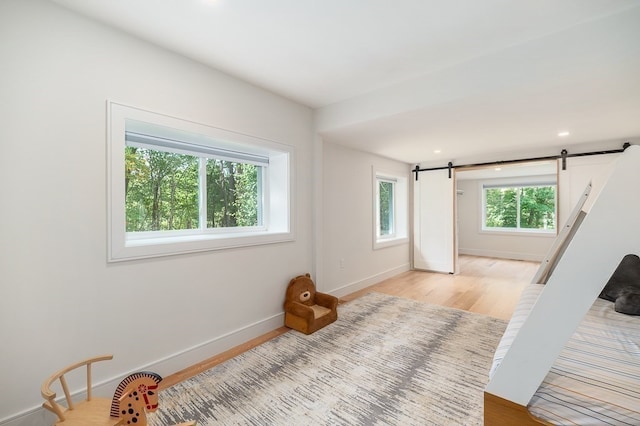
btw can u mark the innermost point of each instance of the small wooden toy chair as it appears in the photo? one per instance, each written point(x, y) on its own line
point(90, 411)
point(95, 411)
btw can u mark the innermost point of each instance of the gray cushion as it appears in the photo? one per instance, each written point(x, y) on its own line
point(623, 287)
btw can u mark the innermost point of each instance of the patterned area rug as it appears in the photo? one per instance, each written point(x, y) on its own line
point(387, 360)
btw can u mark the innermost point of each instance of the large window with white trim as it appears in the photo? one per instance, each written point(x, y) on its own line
point(178, 186)
point(171, 185)
point(519, 207)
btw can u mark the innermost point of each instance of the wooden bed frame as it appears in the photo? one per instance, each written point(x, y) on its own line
point(500, 412)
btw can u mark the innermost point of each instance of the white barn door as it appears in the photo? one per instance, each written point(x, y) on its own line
point(434, 229)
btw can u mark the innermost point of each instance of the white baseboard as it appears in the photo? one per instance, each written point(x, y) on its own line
point(34, 417)
point(38, 416)
point(369, 281)
point(503, 254)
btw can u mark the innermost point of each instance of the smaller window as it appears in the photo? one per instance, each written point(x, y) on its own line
point(390, 209)
point(519, 207)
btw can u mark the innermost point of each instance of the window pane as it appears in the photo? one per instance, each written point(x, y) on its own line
point(233, 197)
point(538, 207)
point(161, 190)
point(526, 207)
point(386, 208)
point(501, 208)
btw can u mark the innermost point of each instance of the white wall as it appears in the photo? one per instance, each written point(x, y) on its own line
point(59, 300)
point(580, 171)
point(347, 222)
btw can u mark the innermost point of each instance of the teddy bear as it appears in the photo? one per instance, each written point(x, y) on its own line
point(623, 288)
point(307, 310)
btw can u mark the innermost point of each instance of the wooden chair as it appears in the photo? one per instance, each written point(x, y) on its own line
point(90, 411)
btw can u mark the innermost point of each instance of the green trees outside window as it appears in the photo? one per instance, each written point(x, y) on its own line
point(520, 207)
point(163, 192)
point(385, 207)
point(233, 194)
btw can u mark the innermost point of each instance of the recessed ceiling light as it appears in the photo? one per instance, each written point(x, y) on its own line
point(497, 169)
point(563, 134)
point(437, 151)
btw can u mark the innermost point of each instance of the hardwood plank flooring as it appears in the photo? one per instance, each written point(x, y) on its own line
point(219, 359)
point(486, 286)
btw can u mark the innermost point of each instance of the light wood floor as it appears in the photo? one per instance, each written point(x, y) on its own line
point(485, 285)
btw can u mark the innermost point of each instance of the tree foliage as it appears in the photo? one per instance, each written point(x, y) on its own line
point(529, 207)
point(386, 207)
point(232, 194)
point(162, 191)
point(501, 208)
point(538, 207)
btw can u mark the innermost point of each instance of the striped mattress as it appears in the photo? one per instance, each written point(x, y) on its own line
point(596, 378)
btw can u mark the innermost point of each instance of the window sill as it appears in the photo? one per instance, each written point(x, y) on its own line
point(520, 232)
point(389, 242)
point(156, 247)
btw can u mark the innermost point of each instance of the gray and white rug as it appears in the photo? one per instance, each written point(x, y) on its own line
point(387, 360)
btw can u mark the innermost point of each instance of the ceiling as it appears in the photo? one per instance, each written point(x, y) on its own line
point(406, 78)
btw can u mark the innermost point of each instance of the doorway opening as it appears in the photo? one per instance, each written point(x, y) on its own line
point(506, 211)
